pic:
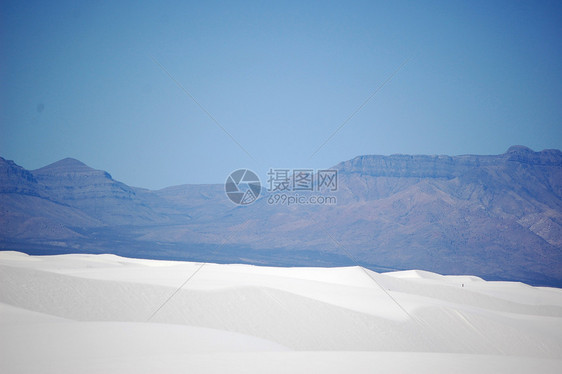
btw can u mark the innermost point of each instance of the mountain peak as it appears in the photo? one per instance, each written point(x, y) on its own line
point(64, 166)
point(522, 154)
point(519, 149)
point(15, 179)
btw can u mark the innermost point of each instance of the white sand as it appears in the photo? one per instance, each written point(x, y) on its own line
point(100, 314)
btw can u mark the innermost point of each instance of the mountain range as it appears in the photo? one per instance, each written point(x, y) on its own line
point(494, 216)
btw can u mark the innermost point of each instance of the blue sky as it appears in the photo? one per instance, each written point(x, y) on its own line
point(79, 79)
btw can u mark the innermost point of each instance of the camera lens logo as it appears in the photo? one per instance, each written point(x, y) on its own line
point(242, 187)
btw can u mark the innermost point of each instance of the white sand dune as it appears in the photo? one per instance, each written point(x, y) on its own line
point(108, 314)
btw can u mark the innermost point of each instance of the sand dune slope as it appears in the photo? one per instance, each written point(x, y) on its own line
point(104, 313)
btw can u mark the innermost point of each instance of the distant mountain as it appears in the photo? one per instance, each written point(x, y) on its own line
point(95, 193)
point(29, 216)
point(499, 217)
point(501, 214)
point(15, 179)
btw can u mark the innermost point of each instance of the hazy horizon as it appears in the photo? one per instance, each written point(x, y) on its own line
point(261, 175)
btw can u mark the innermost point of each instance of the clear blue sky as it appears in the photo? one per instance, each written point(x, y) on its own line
point(77, 79)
